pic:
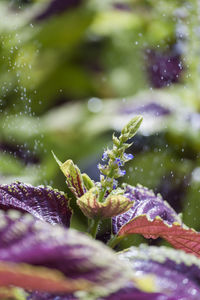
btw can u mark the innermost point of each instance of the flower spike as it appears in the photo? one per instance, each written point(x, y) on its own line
point(116, 157)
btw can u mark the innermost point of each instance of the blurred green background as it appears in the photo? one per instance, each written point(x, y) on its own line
point(73, 71)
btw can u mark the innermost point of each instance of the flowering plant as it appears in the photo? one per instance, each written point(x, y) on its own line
point(44, 256)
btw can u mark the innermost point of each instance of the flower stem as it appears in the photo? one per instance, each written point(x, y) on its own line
point(101, 194)
point(93, 227)
point(114, 241)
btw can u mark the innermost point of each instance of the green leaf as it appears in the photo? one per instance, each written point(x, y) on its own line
point(112, 206)
point(73, 174)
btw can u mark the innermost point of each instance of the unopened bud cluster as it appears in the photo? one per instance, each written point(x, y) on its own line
point(116, 157)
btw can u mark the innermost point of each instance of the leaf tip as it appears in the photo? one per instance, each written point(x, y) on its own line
point(56, 159)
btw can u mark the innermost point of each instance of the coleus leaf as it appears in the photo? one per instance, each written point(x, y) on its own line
point(145, 202)
point(37, 278)
point(14, 293)
point(42, 202)
point(73, 175)
point(152, 217)
point(88, 182)
point(128, 293)
point(176, 274)
point(131, 293)
point(113, 205)
point(169, 274)
point(47, 296)
point(70, 260)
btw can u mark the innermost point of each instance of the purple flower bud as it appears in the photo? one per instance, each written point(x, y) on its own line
point(105, 156)
point(118, 162)
point(102, 177)
point(128, 157)
point(103, 169)
point(108, 179)
point(100, 167)
point(121, 172)
point(115, 184)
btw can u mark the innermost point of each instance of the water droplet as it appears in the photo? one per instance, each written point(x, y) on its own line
point(95, 105)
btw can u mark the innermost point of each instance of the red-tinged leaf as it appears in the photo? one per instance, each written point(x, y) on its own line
point(24, 239)
point(145, 202)
point(179, 236)
point(38, 278)
point(153, 217)
point(42, 202)
point(112, 206)
point(73, 175)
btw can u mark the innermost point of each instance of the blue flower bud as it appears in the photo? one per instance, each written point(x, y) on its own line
point(121, 172)
point(115, 184)
point(128, 157)
point(100, 167)
point(119, 162)
point(105, 156)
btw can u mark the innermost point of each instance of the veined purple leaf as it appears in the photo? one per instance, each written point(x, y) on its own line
point(47, 296)
point(152, 217)
point(82, 262)
point(176, 274)
point(42, 202)
point(145, 202)
point(113, 205)
point(131, 293)
point(168, 274)
point(128, 293)
point(38, 278)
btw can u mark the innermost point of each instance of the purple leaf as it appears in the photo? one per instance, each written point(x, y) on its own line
point(38, 278)
point(42, 202)
point(151, 108)
point(129, 293)
point(164, 69)
point(152, 217)
point(176, 274)
point(145, 202)
point(132, 293)
point(56, 7)
point(47, 296)
point(83, 262)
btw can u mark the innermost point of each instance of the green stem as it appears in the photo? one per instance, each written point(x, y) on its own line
point(93, 227)
point(108, 185)
point(114, 241)
point(101, 194)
